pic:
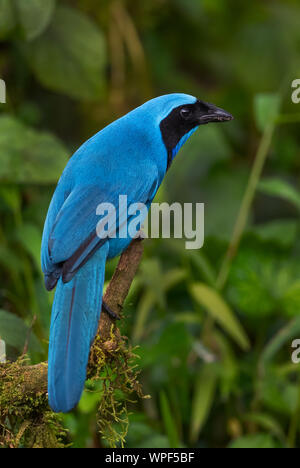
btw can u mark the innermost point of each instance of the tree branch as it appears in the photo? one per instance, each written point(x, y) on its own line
point(120, 283)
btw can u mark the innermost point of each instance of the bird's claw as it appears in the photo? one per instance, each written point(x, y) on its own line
point(110, 312)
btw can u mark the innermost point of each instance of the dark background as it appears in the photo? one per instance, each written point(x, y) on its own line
point(214, 339)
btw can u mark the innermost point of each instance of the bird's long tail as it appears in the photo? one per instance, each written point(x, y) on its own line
point(75, 315)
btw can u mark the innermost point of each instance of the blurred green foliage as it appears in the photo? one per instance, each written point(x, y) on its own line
point(215, 356)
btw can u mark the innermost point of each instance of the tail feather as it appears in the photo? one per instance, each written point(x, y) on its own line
point(75, 315)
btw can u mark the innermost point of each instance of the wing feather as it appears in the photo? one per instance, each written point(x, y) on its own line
point(73, 238)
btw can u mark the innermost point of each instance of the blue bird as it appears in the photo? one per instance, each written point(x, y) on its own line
point(128, 157)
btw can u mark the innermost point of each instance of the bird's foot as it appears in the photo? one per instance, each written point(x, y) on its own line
point(110, 312)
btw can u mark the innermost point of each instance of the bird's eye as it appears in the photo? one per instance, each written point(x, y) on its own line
point(185, 113)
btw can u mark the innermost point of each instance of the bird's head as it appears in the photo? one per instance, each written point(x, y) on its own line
point(179, 115)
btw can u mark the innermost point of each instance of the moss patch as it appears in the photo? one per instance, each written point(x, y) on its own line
point(25, 418)
point(113, 363)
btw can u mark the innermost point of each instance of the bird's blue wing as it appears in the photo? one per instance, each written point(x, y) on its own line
point(73, 238)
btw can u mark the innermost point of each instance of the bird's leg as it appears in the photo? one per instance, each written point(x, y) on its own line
point(110, 312)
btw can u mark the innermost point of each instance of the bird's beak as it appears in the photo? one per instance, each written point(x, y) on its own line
point(214, 114)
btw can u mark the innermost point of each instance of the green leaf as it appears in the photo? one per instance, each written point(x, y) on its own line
point(203, 398)
point(291, 299)
point(266, 422)
point(253, 441)
point(266, 107)
point(263, 280)
point(172, 277)
point(188, 317)
point(282, 232)
point(28, 156)
point(229, 366)
point(15, 332)
point(7, 18)
point(70, 57)
point(221, 312)
point(89, 402)
point(280, 188)
point(169, 422)
point(279, 395)
point(203, 266)
point(34, 16)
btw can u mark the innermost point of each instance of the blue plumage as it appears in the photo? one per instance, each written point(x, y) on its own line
point(75, 316)
point(128, 157)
